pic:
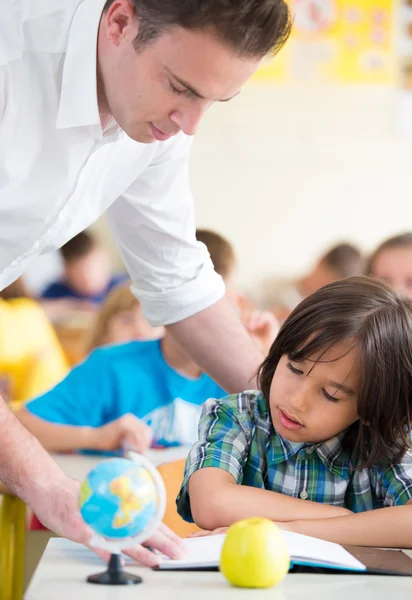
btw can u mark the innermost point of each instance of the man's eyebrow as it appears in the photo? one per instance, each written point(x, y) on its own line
point(191, 89)
point(343, 387)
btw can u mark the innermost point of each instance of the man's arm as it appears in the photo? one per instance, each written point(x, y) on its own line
point(390, 527)
point(216, 500)
point(219, 343)
point(29, 472)
point(173, 277)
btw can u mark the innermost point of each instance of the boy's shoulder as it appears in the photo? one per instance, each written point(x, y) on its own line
point(134, 348)
point(250, 404)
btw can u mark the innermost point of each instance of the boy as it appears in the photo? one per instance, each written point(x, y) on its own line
point(87, 273)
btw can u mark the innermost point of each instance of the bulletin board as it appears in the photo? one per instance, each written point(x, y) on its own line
point(339, 41)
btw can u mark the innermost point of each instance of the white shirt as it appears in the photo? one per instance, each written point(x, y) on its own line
point(59, 171)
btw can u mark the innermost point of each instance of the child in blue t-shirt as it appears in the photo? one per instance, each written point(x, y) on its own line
point(136, 395)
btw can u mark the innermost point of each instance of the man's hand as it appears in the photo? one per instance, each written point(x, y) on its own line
point(126, 432)
point(57, 508)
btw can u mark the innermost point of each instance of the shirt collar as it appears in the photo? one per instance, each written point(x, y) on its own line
point(331, 452)
point(333, 456)
point(78, 101)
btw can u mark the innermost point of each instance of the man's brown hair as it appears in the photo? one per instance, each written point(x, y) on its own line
point(377, 321)
point(252, 28)
point(221, 251)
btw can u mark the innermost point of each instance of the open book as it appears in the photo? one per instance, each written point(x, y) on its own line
point(204, 553)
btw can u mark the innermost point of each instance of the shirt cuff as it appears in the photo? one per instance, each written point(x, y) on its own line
point(175, 304)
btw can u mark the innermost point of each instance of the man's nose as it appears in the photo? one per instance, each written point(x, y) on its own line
point(188, 118)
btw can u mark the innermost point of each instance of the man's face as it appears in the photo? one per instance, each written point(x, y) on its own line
point(168, 85)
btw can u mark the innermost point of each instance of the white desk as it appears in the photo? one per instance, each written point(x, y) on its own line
point(62, 573)
point(77, 466)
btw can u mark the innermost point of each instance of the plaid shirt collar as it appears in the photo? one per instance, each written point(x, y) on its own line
point(330, 452)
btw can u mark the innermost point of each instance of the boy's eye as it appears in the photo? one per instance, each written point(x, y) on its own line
point(294, 369)
point(329, 397)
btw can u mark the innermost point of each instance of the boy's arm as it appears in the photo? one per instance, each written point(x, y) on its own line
point(216, 500)
point(55, 437)
point(390, 527)
point(126, 431)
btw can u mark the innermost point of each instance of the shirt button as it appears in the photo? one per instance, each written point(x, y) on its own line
point(303, 495)
point(309, 450)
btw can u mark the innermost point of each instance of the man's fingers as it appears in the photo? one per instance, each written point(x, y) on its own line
point(143, 556)
point(171, 535)
point(171, 546)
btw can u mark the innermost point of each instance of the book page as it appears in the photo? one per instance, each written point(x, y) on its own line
point(205, 552)
point(303, 548)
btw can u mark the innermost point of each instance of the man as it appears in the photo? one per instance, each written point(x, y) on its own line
point(97, 103)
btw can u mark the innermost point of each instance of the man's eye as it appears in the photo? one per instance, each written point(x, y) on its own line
point(178, 91)
point(294, 369)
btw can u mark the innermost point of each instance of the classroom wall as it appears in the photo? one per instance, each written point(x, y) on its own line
point(285, 171)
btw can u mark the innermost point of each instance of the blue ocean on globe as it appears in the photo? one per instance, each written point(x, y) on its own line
point(118, 498)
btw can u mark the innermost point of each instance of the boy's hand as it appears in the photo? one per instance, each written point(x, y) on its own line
point(128, 431)
point(262, 326)
point(206, 532)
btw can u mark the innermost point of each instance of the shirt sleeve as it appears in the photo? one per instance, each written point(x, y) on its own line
point(81, 399)
point(223, 442)
point(393, 485)
point(154, 227)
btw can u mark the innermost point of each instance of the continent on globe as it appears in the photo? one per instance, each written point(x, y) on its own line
point(130, 503)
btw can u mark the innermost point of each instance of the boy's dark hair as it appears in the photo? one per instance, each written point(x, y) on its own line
point(345, 260)
point(252, 28)
point(221, 251)
point(378, 321)
point(404, 240)
point(77, 247)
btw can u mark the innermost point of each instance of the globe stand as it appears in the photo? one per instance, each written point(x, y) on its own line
point(114, 574)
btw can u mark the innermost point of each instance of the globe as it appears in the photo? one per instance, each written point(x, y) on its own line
point(122, 500)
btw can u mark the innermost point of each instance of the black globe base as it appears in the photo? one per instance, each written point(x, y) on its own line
point(114, 574)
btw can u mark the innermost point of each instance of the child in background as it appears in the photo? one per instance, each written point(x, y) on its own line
point(324, 448)
point(120, 319)
point(282, 295)
point(392, 262)
point(31, 358)
point(261, 325)
point(87, 275)
point(137, 394)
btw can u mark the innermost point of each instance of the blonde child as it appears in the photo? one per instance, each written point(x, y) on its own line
point(324, 448)
point(392, 262)
point(120, 319)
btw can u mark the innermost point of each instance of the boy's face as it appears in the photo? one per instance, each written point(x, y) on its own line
point(314, 401)
point(394, 265)
point(90, 274)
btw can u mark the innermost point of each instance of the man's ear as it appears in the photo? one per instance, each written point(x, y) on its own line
point(119, 17)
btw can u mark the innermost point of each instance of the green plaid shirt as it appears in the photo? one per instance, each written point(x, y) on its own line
point(236, 434)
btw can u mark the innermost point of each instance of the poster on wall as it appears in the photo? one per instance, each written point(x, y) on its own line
point(338, 41)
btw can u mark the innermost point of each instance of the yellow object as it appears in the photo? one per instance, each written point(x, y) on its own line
point(173, 474)
point(12, 545)
point(31, 358)
point(254, 554)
